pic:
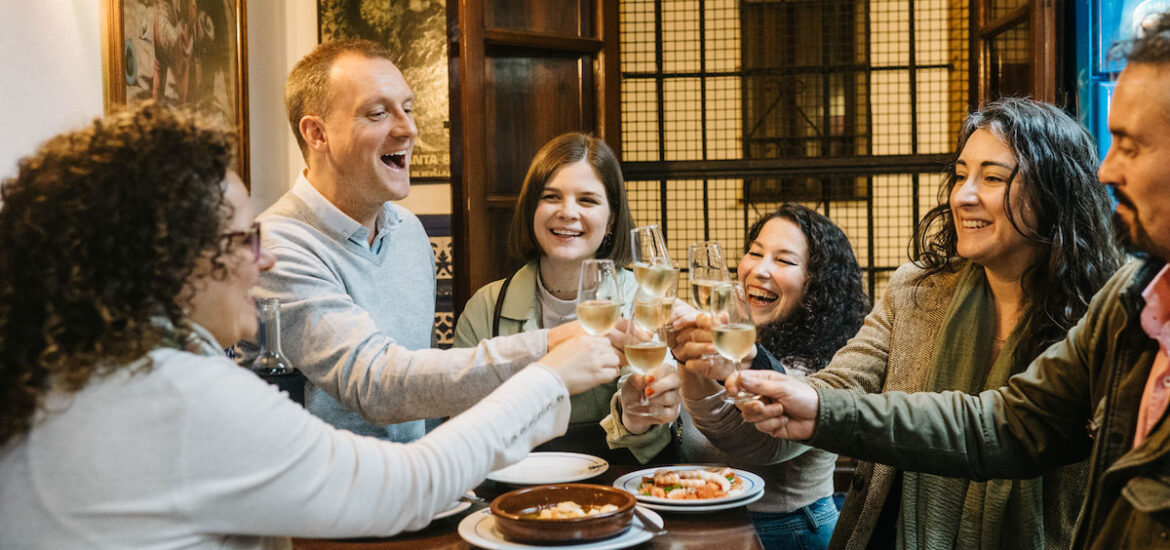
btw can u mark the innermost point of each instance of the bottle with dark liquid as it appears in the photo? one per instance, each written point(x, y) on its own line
point(271, 364)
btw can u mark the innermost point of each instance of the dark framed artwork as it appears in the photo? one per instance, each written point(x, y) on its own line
point(415, 31)
point(180, 52)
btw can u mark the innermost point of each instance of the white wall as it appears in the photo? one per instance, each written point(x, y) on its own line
point(280, 32)
point(50, 72)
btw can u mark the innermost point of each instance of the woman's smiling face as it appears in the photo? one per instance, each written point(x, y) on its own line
point(774, 270)
point(984, 233)
point(572, 215)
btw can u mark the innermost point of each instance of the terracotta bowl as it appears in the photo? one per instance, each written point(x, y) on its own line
point(509, 507)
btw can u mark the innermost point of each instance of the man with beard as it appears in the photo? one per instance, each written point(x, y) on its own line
point(1100, 393)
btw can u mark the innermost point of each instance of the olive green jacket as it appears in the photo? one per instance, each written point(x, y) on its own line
point(521, 313)
point(1078, 399)
point(893, 351)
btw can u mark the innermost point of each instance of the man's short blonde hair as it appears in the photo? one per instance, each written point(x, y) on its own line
point(306, 92)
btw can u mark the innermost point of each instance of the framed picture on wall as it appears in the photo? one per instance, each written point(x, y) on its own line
point(416, 34)
point(180, 52)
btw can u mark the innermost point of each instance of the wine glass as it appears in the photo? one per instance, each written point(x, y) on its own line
point(598, 296)
point(652, 266)
point(646, 347)
point(708, 267)
point(732, 328)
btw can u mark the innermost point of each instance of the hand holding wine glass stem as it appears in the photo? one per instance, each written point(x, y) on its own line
point(789, 407)
point(583, 362)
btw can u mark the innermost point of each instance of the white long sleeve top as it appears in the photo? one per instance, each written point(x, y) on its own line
point(199, 453)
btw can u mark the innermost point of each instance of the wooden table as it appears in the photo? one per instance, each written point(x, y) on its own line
point(720, 530)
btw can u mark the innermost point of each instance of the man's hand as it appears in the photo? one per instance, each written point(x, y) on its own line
point(583, 362)
point(787, 407)
point(661, 386)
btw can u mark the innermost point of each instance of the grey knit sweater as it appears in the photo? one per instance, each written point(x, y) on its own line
point(350, 316)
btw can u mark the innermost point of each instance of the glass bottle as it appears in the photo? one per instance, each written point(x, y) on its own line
point(270, 361)
point(271, 364)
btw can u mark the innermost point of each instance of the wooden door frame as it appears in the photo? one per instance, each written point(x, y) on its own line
point(469, 38)
point(1045, 39)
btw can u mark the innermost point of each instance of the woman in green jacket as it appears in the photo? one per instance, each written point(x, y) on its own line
point(571, 208)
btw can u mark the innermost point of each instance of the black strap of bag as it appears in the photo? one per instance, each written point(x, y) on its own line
point(500, 306)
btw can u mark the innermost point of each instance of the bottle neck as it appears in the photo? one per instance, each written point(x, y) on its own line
point(270, 330)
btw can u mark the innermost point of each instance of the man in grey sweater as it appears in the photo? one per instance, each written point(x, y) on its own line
point(354, 272)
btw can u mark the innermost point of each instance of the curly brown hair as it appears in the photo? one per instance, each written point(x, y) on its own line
point(834, 303)
point(100, 232)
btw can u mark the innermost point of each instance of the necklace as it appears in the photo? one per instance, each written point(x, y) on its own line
point(561, 294)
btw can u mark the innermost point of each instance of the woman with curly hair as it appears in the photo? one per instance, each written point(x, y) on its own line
point(128, 253)
point(804, 288)
point(1003, 267)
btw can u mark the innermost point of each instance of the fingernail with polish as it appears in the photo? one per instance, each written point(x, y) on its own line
point(649, 392)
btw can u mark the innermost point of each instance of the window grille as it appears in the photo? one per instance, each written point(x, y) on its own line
point(850, 107)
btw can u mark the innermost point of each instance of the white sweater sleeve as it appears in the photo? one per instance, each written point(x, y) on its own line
point(253, 462)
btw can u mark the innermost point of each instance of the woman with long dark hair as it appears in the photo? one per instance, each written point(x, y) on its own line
point(1002, 268)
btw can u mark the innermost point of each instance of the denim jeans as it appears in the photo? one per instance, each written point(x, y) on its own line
point(808, 528)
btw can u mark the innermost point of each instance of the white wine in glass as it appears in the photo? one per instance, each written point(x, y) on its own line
point(652, 266)
point(701, 293)
point(655, 278)
point(597, 317)
point(646, 347)
point(732, 330)
point(598, 297)
point(707, 268)
point(648, 313)
point(644, 357)
point(734, 341)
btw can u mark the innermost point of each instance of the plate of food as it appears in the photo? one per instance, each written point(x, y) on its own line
point(480, 529)
point(540, 468)
point(697, 508)
point(691, 485)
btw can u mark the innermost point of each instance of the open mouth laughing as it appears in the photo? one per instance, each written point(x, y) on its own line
point(395, 160)
point(759, 297)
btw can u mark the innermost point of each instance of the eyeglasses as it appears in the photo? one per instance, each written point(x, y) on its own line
point(250, 237)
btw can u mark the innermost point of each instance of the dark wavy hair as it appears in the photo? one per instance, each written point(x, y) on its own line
point(834, 303)
point(568, 149)
point(100, 232)
point(1057, 170)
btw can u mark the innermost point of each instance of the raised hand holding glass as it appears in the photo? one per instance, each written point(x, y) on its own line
point(598, 296)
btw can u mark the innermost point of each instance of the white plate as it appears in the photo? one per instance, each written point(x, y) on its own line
point(704, 507)
point(752, 484)
point(542, 468)
point(459, 506)
point(479, 529)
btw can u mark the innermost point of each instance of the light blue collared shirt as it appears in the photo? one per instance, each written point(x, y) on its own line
point(340, 222)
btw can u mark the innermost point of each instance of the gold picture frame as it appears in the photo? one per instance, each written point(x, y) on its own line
point(205, 64)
